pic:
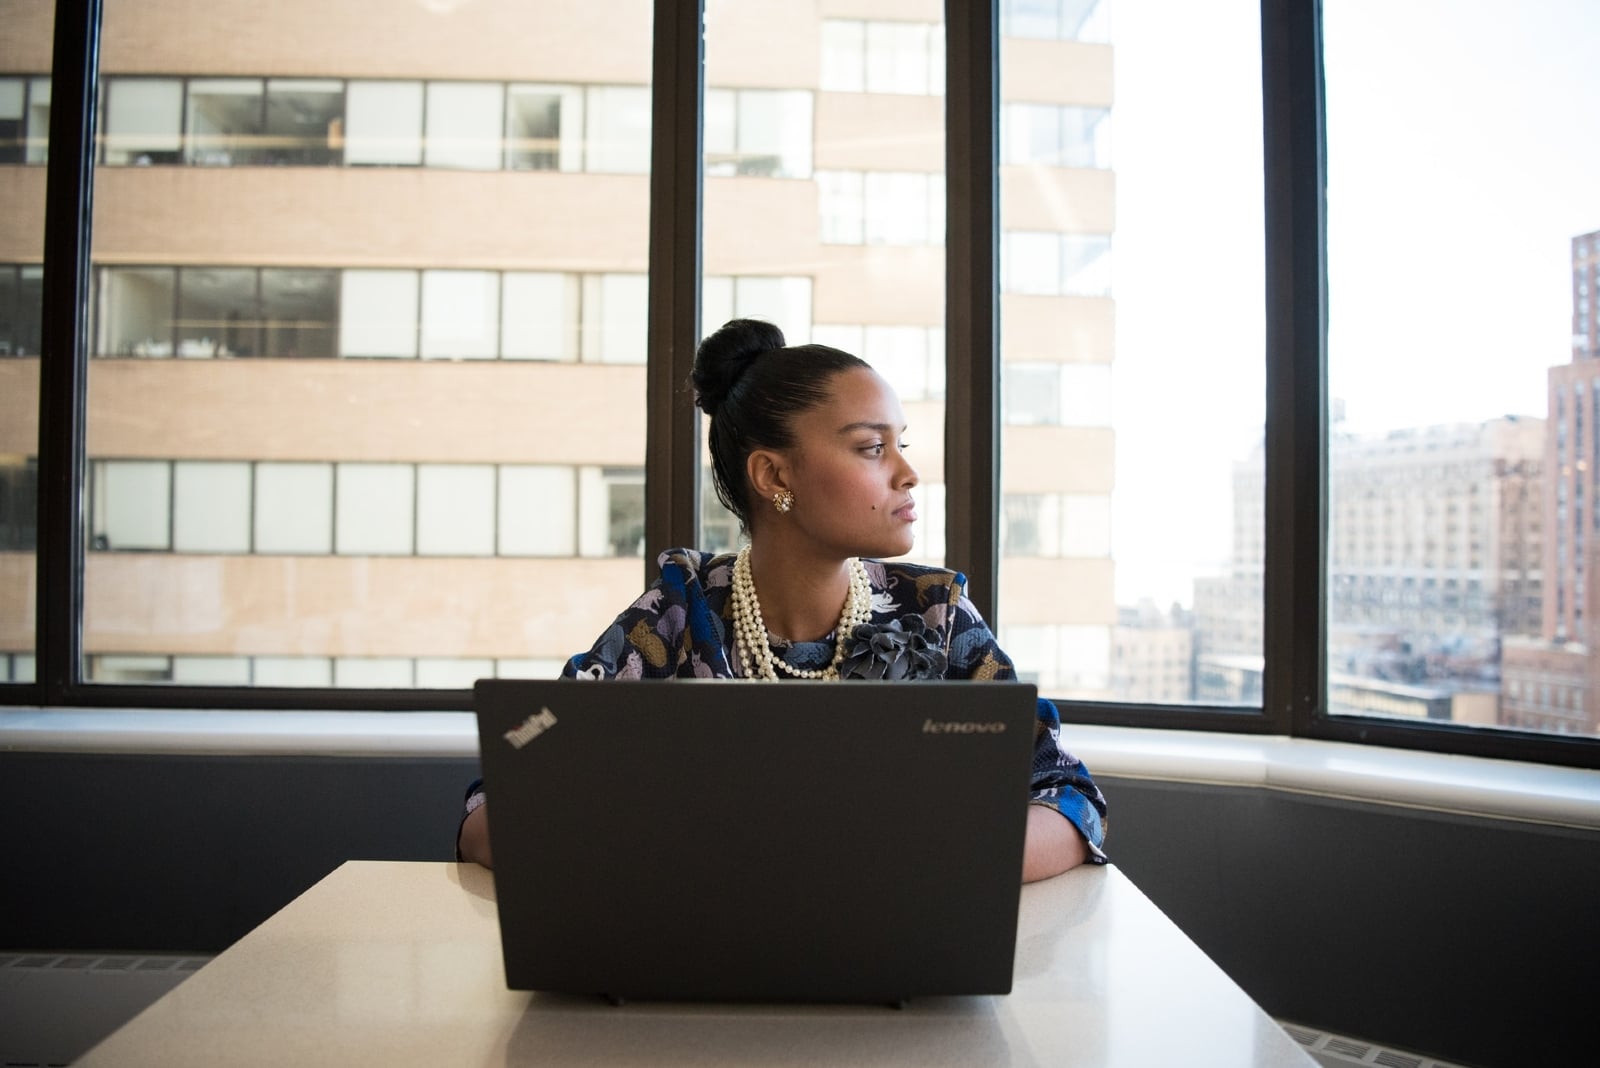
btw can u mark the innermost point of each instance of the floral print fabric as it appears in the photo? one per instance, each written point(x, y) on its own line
point(682, 627)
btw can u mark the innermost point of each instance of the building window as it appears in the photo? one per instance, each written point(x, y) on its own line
point(131, 506)
point(611, 511)
point(465, 125)
point(21, 307)
point(910, 358)
point(765, 133)
point(537, 116)
point(210, 507)
point(143, 121)
point(1056, 525)
point(1055, 135)
point(1052, 264)
point(24, 119)
point(881, 207)
point(378, 313)
point(538, 510)
point(1058, 394)
point(617, 132)
point(777, 299)
point(883, 57)
point(460, 315)
point(1056, 20)
point(226, 122)
point(539, 316)
point(383, 123)
point(293, 508)
point(19, 503)
point(455, 510)
point(373, 509)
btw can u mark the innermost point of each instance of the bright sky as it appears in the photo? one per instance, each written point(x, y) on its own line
point(1464, 155)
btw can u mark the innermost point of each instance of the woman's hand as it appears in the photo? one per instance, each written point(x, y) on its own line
point(473, 842)
point(1053, 845)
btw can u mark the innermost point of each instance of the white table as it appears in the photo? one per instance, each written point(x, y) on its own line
point(399, 964)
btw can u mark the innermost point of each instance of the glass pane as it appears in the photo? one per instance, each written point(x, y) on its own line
point(824, 205)
point(24, 133)
point(1133, 404)
point(1462, 364)
point(369, 331)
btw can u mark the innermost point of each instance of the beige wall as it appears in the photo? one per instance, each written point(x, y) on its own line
point(1035, 590)
point(401, 410)
point(879, 132)
point(29, 28)
point(22, 221)
point(371, 217)
point(1065, 329)
point(592, 41)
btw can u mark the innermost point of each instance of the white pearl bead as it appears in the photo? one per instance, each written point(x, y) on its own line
point(750, 631)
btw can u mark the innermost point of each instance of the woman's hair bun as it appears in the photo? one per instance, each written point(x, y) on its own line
point(724, 356)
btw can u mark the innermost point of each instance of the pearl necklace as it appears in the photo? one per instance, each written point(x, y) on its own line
point(750, 631)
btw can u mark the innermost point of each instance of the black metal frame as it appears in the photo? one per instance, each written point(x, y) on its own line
point(1296, 363)
point(971, 288)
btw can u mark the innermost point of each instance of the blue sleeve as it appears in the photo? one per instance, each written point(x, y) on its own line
point(1062, 782)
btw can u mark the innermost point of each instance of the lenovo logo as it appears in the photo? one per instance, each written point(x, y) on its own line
point(531, 728)
point(963, 726)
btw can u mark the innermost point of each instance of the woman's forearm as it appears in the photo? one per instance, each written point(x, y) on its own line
point(473, 843)
point(1053, 845)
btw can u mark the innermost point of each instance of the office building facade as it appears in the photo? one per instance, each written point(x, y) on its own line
point(367, 328)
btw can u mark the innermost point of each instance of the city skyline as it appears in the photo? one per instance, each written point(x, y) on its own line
point(1446, 253)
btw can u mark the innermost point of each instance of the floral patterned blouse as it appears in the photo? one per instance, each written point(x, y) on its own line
point(682, 627)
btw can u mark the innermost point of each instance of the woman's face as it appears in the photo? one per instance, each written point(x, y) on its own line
point(849, 474)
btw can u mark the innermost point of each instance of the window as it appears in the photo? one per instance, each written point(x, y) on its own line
point(883, 57)
point(618, 130)
point(1493, 435)
point(210, 507)
point(293, 508)
point(21, 299)
point(392, 366)
point(539, 316)
point(881, 208)
point(383, 123)
point(143, 121)
point(1049, 264)
point(1059, 20)
point(226, 121)
point(378, 313)
point(1055, 135)
point(465, 122)
point(536, 116)
point(460, 314)
point(758, 132)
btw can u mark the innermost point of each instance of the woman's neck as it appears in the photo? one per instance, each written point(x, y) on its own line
point(801, 597)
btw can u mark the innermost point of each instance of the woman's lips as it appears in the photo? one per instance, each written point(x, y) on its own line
point(907, 512)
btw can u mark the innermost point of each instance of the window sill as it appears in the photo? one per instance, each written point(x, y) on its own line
point(1497, 789)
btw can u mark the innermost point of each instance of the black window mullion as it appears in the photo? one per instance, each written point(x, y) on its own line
point(972, 327)
point(672, 422)
point(69, 188)
point(1294, 585)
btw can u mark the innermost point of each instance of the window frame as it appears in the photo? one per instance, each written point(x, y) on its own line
point(1294, 580)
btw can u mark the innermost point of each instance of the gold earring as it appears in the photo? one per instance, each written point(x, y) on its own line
point(783, 500)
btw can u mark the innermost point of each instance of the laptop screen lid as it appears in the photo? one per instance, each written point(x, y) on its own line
point(733, 840)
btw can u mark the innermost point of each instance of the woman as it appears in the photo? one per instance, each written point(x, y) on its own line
point(807, 450)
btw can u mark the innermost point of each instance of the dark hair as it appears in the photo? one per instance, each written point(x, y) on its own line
point(752, 386)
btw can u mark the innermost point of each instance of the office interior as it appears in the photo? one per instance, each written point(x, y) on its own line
point(231, 293)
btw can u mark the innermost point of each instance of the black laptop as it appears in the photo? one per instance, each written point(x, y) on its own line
point(726, 840)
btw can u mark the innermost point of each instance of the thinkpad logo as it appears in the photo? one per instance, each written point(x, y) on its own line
point(531, 728)
point(961, 726)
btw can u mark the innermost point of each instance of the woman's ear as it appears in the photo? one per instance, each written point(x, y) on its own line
point(768, 472)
